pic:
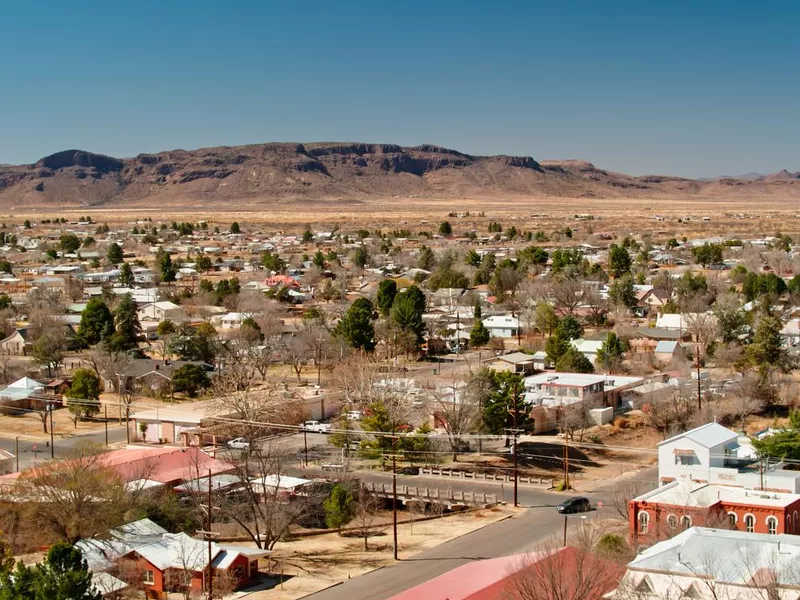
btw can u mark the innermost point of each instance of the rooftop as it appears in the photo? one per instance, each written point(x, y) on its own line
point(708, 435)
point(679, 493)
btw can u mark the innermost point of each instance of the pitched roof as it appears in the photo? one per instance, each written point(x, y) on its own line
point(708, 435)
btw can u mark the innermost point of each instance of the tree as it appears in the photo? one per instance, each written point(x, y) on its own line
point(387, 290)
point(361, 257)
point(83, 397)
point(472, 258)
point(427, 259)
point(365, 510)
point(458, 413)
point(445, 229)
point(478, 335)
point(126, 277)
point(63, 575)
point(707, 254)
point(569, 328)
point(619, 261)
point(69, 243)
point(622, 292)
point(555, 347)
point(498, 408)
point(407, 310)
point(203, 263)
point(114, 253)
point(235, 227)
point(766, 353)
point(128, 332)
point(356, 327)
point(50, 348)
point(165, 266)
point(784, 444)
point(190, 379)
point(609, 355)
point(339, 509)
point(97, 323)
point(574, 361)
point(272, 261)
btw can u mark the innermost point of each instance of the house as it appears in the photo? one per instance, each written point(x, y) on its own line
point(161, 311)
point(153, 374)
point(516, 362)
point(666, 350)
point(549, 394)
point(164, 561)
point(589, 348)
point(790, 334)
point(683, 504)
point(15, 344)
point(714, 564)
point(503, 326)
point(446, 296)
point(492, 578)
point(24, 393)
point(177, 425)
point(650, 336)
point(710, 454)
point(231, 320)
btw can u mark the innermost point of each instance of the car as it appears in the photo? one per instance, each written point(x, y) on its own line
point(239, 444)
point(577, 504)
point(316, 427)
point(354, 415)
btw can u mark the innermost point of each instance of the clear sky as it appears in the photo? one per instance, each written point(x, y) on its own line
point(695, 88)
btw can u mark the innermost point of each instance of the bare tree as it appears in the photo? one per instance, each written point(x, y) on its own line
point(745, 398)
point(365, 513)
point(457, 411)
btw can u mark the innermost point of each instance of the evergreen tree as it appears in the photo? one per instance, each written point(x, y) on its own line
point(478, 335)
point(556, 346)
point(64, 575)
point(83, 397)
point(97, 323)
point(165, 266)
point(569, 328)
point(610, 354)
point(128, 329)
point(427, 259)
point(407, 310)
point(445, 229)
point(619, 261)
point(114, 253)
point(339, 507)
point(387, 290)
point(622, 292)
point(766, 353)
point(573, 361)
point(356, 327)
point(235, 227)
point(126, 277)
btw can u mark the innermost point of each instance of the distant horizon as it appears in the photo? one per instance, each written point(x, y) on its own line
point(682, 88)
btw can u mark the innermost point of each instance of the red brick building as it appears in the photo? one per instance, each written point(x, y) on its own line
point(680, 505)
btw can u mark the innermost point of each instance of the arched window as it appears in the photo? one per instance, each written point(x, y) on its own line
point(732, 519)
point(686, 521)
point(795, 521)
point(644, 521)
point(772, 525)
point(672, 521)
point(749, 523)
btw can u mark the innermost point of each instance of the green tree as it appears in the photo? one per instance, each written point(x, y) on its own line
point(49, 349)
point(308, 235)
point(69, 243)
point(5, 301)
point(622, 292)
point(619, 261)
point(5, 267)
point(610, 354)
point(573, 361)
point(478, 335)
point(569, 328)
point(545, 317)
point(83, 397)
point(555, 347)
point(472, 258)
point(114, 253)
point(566, 258)
point(766, 353)
point(784, 444)
point(498, 409)
point(319, 259)
point(190, 379)
point(407, 310)
point(445, 229)
point(165, 266)
point(339, 507)
point(235, 227)
point(63, 575)
point(128, 332)
point(707, 254)
point(97, 323)
point(126, 277)
point(356, 327)
point(446, 277)
point(272, 261)
point(361, 257)
point(203, 263)
point(387, 290)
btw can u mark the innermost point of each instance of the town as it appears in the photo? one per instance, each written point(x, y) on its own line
point(217, 408)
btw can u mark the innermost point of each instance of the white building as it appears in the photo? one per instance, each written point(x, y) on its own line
point(161, 311)
point(711, 454)
point(502, 326)
point(715, 564)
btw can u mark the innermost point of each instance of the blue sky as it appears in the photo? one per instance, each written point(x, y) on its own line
point(695, 88)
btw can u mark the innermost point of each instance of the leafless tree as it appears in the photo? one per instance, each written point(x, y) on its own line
point(669, 410)
point(575, 418)
point(457, 411)
point(295, 353)
point(745, 398)
point(567, 294)
point(365, 513)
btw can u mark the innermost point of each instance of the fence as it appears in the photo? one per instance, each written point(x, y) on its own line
point(408, 493)
point(545, 481)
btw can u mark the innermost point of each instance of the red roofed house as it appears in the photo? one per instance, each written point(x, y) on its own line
point(504, 577)
point(283, 280)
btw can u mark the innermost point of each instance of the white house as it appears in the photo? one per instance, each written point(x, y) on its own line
point(714, 564)
point(589, 348)
point(161, 311)
point(791, 333)
point(711, 454)
point(502, 326)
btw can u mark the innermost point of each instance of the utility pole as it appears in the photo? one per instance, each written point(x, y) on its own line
point(52, 441)
point(565, 531)
point(514, 447)
point(699, 394)
point(566, 465)
point(394, 495)
point(16, 451)
point(127, 424)
point(305, 448)
point(105, 418)
point(210, 557)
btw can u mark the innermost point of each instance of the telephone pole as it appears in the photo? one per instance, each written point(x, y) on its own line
point(209, 535)
point(105, 418)
point(52, 441)
point(394, 495)
point(699, 393)
point(516, 431)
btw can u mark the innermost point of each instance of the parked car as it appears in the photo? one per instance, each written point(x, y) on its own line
point(574, 505)
point(354, 415)
point(316, 427)
point(239, 444)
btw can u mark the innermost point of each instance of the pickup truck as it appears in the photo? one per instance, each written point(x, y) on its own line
point(316, 427)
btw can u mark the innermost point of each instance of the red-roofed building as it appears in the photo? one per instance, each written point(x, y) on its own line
point(497, 577)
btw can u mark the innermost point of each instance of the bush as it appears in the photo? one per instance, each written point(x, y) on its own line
point(612, 545)
point(562, 486)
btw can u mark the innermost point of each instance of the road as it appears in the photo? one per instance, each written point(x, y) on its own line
point(63, 446)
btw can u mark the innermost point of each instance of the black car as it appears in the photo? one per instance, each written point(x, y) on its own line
point(574, 505)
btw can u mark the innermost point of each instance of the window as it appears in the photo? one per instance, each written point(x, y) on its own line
point(686, 522)
point(772, 525)
point(148, 577)
point(749, 523)
point(732, 519)
point(672, 521)
point(644, 521)
point(253, 567)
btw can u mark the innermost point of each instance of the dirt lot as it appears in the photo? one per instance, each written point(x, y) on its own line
point(309, 563)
